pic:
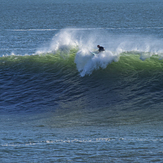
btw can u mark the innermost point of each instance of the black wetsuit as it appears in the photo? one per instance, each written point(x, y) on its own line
point(101, 49)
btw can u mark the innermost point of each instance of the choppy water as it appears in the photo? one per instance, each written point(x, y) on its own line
point(60, 103)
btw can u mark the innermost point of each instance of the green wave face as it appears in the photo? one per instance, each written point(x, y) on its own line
point(123, 82)
point(123, 63)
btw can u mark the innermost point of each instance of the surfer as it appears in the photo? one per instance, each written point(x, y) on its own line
point(100, 48)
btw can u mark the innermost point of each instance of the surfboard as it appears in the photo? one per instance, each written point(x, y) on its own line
point(93, 53)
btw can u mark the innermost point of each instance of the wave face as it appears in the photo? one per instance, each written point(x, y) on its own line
point(65, 75)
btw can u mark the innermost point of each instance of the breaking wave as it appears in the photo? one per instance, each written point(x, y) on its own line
point(75, 45)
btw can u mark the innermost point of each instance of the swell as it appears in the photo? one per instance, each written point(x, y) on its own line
point(50, 82)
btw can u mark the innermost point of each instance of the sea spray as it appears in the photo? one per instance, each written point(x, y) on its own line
point(63, 41)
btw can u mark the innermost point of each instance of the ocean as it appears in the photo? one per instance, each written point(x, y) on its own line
point(61, 103)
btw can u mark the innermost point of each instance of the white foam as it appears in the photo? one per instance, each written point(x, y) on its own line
point(91, 140)
point(86, 63)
